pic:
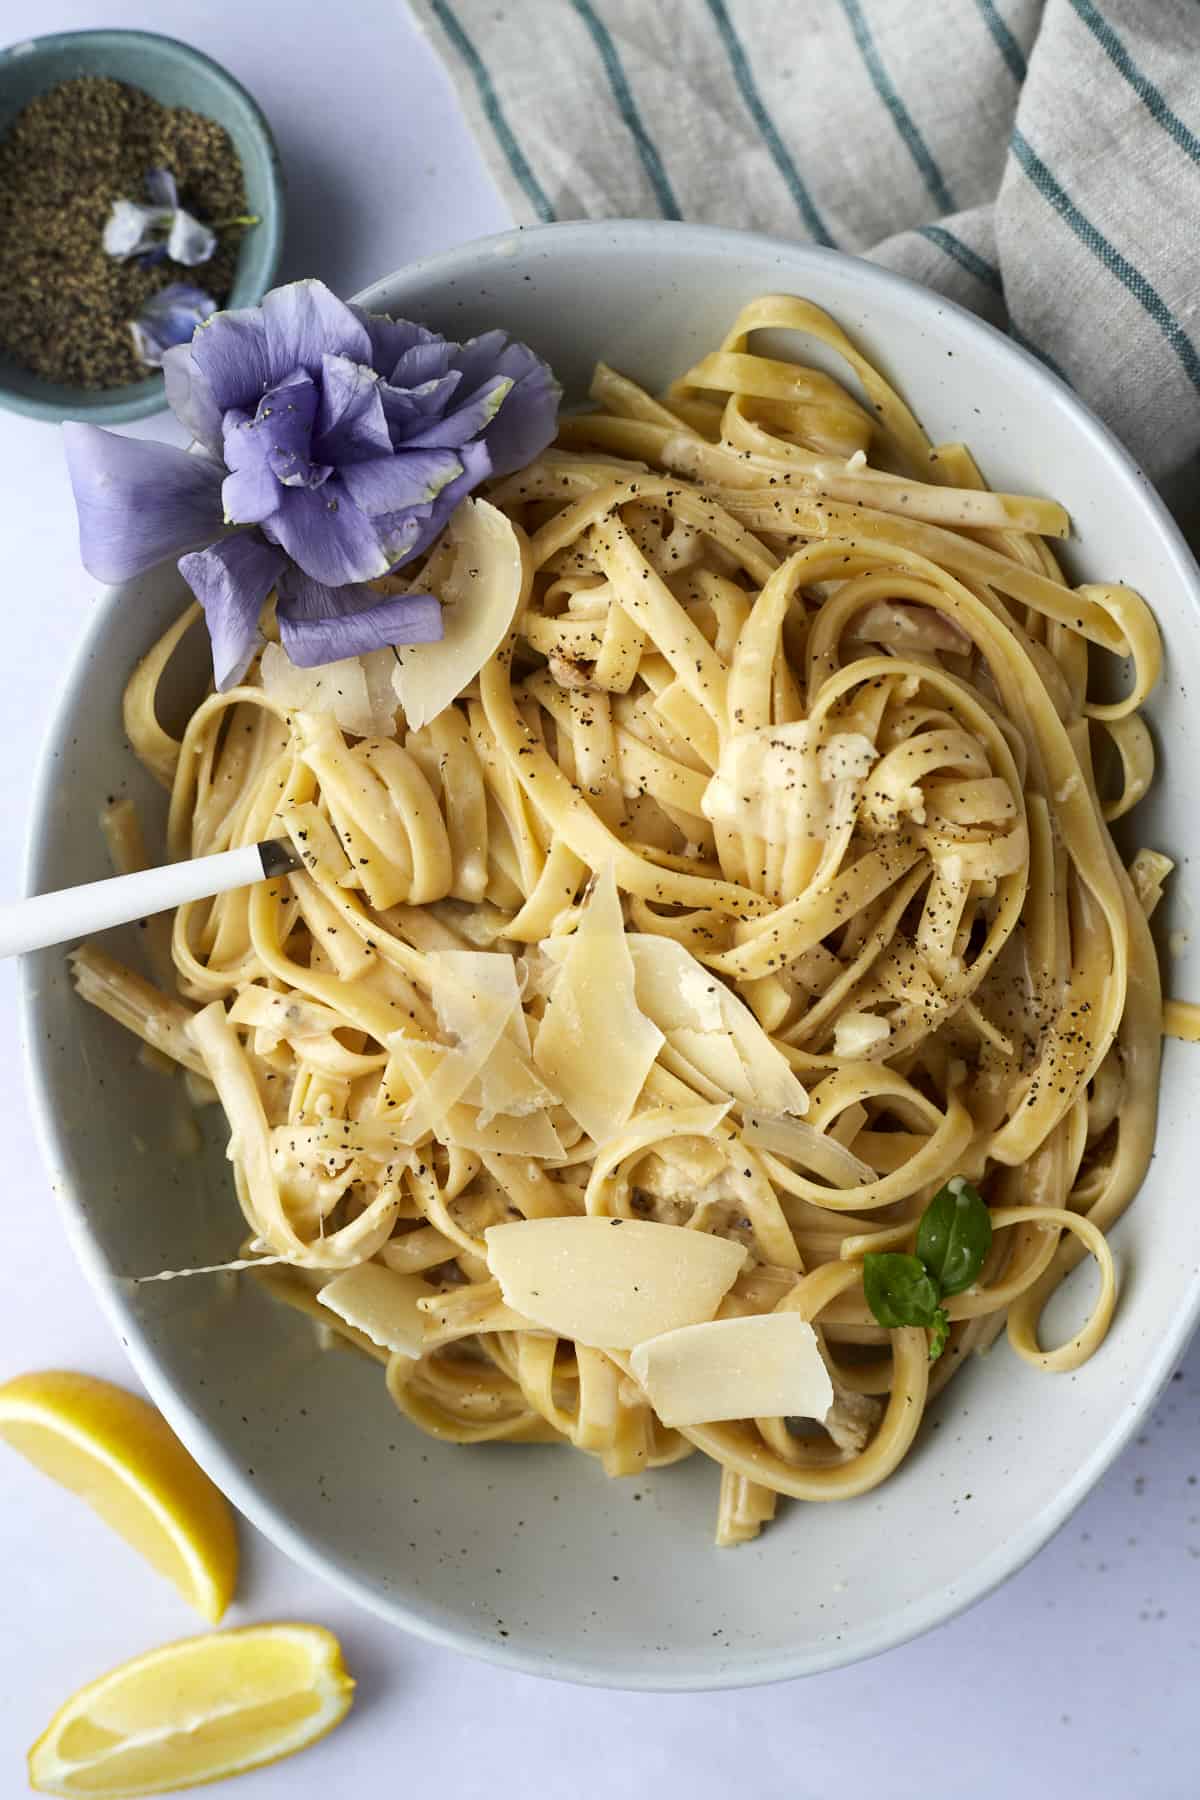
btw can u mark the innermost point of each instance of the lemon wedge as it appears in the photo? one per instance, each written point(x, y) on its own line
point(195, 1711)
point(114, 1450)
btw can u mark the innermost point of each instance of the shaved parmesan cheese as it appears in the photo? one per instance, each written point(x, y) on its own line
point(479, 596)
point(768, 782)
point(531, 1134)
point(377, 667)
point(339, 688)
point(910, 628)
point(481, 1092)
point(381, 1304)
point(462, 981)
point(765, 1366)
point(482, 1005)
point(594, 1046)
point(780, 781)
point(858, 1034)
point(812, 1149)
point(848, 756)
point(508, 1084)
point(673, 989)
point(714, 1057)
point(701, 992)
point(710, 1028)
point(609, 1283)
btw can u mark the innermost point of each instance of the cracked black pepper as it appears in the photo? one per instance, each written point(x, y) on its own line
point(65, 305)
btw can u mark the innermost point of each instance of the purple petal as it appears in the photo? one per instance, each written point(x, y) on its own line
point(351, 425)
point(293, 471)
point(464, 422)
point(270, 448)
point(231, 354)
point(322, 625)
point(390, 338)
point(477, 467)
point(130, 229)
point(241, 354)
point(326, 535)
point(404, 535)
point(169, 318)
point(426, 361)
point(250, 492)
point(304, 322)
point(394, 483)
point(231, 579)
point(189, 242)
point(528, 418)
point(479, 357)
point(137, 501)
point(161, 189)
point(409, 409)
point(285, 417)
point(190, 398)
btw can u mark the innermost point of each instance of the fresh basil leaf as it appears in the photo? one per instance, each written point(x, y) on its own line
point(938, 1333)
point(954, 1236)
point(899, 1290)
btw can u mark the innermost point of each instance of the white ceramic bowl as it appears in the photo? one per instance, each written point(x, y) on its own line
point(529, 1556)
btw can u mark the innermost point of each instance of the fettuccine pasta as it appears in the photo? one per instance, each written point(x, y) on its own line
point(739, 864)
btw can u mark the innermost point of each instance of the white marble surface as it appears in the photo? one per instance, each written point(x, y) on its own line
point(1078, 1676)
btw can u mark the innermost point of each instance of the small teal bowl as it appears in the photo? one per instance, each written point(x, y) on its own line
point(175, 75)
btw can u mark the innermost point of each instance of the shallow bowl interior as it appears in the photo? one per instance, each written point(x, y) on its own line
point(530, 1556)
point(176, 75)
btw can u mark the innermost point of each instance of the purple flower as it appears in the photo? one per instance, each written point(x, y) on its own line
point(162, 229)
point(338, 441)
point(169, 318)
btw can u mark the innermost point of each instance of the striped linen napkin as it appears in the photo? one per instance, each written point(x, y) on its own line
point(1036, 160)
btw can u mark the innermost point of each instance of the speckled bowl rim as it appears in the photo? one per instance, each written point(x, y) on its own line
point(141, 404)
point(940, 1604)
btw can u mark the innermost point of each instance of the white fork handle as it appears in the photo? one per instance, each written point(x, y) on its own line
point(75, 912)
